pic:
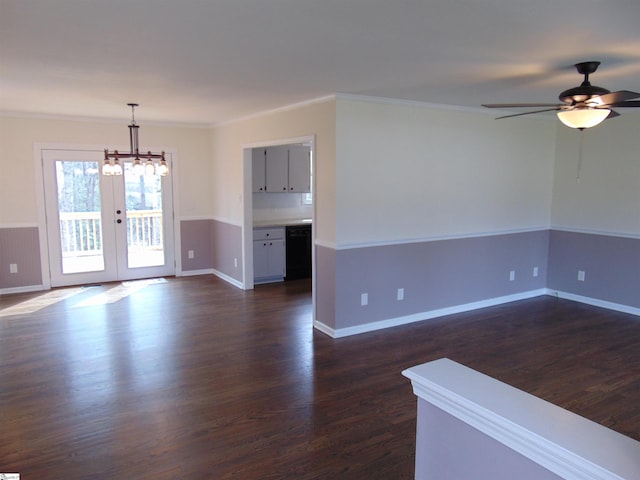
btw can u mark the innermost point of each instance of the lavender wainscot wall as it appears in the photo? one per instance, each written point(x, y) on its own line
point(226, 244)
point(449, 449)
point(196, 235)
point(216, 245)
point(20, 246)
point(325, 284)
point(611, 265)
point(435, 274)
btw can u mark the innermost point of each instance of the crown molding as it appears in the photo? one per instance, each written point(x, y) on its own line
point(102, 120)
point(284, 108)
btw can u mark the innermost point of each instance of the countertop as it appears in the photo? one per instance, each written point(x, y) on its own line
point(282, 222)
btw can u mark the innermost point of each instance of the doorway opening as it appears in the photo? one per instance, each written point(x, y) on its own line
point(275, 205)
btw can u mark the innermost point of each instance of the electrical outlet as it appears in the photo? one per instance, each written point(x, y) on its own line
point(400, 295)
point(13, 268)
point(581, 276)
point(512, 275)
point(364, 299)
point(535, 271)
point(190, 254)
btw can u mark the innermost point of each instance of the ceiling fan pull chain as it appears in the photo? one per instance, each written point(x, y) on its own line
point(580, 155)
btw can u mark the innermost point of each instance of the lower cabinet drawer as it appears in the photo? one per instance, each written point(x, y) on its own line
point(268, 233)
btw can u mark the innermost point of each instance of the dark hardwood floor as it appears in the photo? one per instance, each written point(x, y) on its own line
point(196, 379)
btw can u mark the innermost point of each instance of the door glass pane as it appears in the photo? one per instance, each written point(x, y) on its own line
point(78, 187)
point(145, 245)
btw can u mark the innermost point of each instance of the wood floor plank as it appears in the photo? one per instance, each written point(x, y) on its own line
point(194, 378)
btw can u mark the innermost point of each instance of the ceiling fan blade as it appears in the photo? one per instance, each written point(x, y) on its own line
point(616, 97)
point(613, 114)
point(635, 103)
point(518, 105)
point(529, 113)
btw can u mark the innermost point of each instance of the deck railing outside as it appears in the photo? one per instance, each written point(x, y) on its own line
point(81, 232)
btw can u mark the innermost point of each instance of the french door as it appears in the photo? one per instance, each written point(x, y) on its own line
point(105, 228)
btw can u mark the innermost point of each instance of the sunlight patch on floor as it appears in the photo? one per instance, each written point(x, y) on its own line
point(118, 293)
point(41, 301)
point(50, 298)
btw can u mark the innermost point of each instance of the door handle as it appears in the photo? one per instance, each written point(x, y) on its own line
point(119, 220)
point(118, 212)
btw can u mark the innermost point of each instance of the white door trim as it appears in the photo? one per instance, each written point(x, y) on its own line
point(38, 149)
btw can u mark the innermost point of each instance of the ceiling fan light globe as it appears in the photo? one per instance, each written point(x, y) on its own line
point(583, 117)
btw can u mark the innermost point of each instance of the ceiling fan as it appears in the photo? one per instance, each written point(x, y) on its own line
point(583, 106)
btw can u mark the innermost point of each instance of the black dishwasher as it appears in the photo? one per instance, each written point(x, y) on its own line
point(298, 248)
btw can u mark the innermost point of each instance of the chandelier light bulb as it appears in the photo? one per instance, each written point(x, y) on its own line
point(162, 169)
point(107, 168)
point(116, 168)
point(138, 168)
point(149, 168)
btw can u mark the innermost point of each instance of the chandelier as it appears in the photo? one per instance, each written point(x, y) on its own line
point(112, 164)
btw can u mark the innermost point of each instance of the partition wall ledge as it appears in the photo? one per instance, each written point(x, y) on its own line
point(564, 443)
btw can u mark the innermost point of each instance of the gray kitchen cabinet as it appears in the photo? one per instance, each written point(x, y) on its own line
point(277, 169)
point(259, 170)
point(299, 169)
point(268, 255)
point(281, 169)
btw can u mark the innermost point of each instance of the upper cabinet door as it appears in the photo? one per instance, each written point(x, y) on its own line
point(299, 169)
point(277, 168)
point(258, 170)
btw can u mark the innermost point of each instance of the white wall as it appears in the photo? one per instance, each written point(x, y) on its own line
point(414, 172)
point(18, 181)
point(607, 197)
point(317, 118)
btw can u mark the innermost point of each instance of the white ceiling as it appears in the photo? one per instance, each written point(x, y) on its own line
point(209, 61)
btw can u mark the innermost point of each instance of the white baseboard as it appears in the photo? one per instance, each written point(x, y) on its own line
point(194, 273)
point(324, 328)
point(25, 289)
point(228, 279)
point(618, 307)
point(212, 271)
point(418, 317)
